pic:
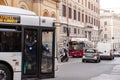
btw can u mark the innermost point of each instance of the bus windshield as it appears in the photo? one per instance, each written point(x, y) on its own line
point(77, 46)
point(10, 41)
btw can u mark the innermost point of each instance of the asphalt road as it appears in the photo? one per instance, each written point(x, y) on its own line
point(76, 70)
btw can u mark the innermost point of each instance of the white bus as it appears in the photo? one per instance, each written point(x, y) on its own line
point(27, 45)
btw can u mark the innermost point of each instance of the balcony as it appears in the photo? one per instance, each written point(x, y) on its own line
point(88, 27)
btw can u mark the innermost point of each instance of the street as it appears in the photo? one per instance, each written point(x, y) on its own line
point(74, 69)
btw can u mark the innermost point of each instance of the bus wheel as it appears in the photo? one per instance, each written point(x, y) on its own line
point(5, 73)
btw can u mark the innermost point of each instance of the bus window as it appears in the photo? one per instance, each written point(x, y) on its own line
point(10, 41)
point(30, 52)
point(77, 46)
point(47, 39)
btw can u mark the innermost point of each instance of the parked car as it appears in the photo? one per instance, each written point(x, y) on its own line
point(116, 53)
point(91, 55)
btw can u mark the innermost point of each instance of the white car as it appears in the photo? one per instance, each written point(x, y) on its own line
point(116, 53)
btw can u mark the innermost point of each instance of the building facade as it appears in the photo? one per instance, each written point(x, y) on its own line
point(110, 27)
point(79, 18)
point(40, 7)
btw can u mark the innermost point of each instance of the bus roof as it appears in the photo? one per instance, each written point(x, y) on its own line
point(47, 21)
point(79, 39)
point(14, 10)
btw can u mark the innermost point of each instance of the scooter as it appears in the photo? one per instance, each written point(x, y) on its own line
point(64, 55)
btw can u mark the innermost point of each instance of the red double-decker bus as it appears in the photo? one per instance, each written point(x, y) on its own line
point(77, 46)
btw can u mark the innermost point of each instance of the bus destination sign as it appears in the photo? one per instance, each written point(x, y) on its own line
point(9, 19)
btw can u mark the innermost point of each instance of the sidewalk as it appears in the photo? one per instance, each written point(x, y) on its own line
point(114, 75)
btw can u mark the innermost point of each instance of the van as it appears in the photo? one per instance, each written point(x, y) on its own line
point(105, 50)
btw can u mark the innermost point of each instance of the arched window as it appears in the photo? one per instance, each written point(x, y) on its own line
point(46, 13)
point(23, 5)
point(3, 2)
point(53, 14)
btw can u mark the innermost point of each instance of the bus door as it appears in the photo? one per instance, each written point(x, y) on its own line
point(47, 52)
point(30, 63)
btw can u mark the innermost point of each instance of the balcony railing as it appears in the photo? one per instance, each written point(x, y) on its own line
point(88, 27)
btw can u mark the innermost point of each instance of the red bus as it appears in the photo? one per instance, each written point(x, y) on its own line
point(77, 46)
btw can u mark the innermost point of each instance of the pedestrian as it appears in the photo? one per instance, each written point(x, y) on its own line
point(64, 57)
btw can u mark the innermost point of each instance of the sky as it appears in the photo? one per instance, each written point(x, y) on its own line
point(110, 4)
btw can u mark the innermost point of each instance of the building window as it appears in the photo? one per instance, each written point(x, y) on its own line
point(92, 20)
point(105, 29)
point(70, 12)
point(78, 16)
point(74, 14)
point(94, 9)
point(85, 3)
point(46, 13)
point(69, 30)
point(86, 18)
point(82, 17)
point(105, 23)
point(82, 1)
point(78, 31)
point(64, 10)
point(91, 6)
point(85, 34)
point(64, 29)
point(75, 30)
point(105, 36)
point(89, 19)
point(88, 5)
point(53, 15)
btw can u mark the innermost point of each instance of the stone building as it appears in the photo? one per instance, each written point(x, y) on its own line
point(80, 18)
point(40, 7)
point(110, 27)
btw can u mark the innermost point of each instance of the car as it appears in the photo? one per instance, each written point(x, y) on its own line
point(116, 53)
point(91, 55)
